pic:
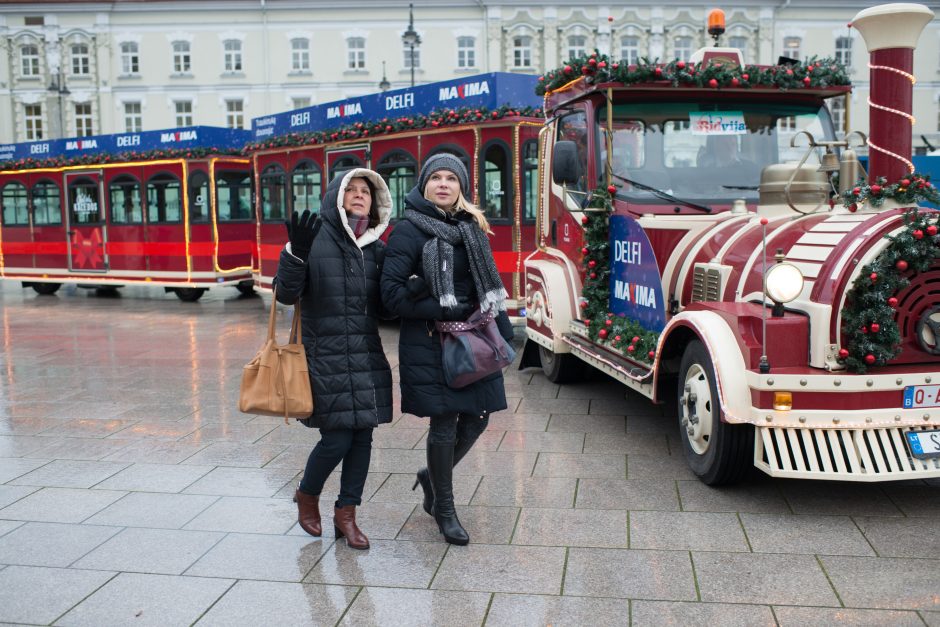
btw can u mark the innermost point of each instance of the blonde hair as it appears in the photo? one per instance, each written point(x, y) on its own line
point(463, 204)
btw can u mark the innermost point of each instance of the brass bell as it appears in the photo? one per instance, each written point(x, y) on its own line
point(829, 162)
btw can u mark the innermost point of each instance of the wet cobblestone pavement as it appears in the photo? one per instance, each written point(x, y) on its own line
point(132, 491)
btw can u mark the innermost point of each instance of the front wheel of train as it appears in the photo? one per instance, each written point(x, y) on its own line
point(190, 294)
point(717, 452)
point(46, 288)
point(247, 288)
point(560, 367)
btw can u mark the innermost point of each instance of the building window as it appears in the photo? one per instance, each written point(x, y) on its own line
point(133, 120)
point(181, 59)
point(356, 53)
point(844, 51)
point(837, 110)
point(522, 52)
point(739, 42)
point(32, 114)
point(234, 114)
point(466, 52)
point(630, 49)
point(130, 59)
point(29, 56)
point(81, 61)
point(184, 112)
point(786, 124)
point(300, 55)
point(682, 47)
point(83, 120)
point(577, 46)
point(233, 55)
point(299, 103)
point(791, 47)
point(412, 57)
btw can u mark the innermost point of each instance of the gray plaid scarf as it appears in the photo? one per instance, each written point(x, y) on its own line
point(438, 256)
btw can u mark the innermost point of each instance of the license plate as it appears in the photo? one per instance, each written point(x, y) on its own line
point(922, 396)
point(924, 444)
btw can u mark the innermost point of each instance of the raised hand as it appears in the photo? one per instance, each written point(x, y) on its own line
point(301, 230)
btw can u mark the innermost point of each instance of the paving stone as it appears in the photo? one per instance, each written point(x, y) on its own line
point(236, 454)
point(931, 618)
point(13, 467)
point(393, 460)
point(603, 424)
point(763, 578)
point(631, 494)
point(624, 573)
point(823, 535)
point(156, 452)
point(64, 505)
point(640, 443)
point(554, 492)
point(916, 500)
point(647, 418)
point(694, 531)
point(247, 515)
point(270, 558)
point(158, 551)
point(170, 478)
point(541, 441)
point(253, 603)
point(486, 525)
point(81, 448)
point(571, 527)
point(397, 437)
point(657, 613)
point(897, 537)
point(519, 422)
point(264, 482)
point(525, 610)
point(580, 465)
point(843, 498)
point(658, 467)
point(759, 498)
point(490, 463)
point(90, 428)
point(390, 607)
point(158, 600)
point(39, 595)
point(543, 404)
point(51, 544)
point(397, 489)
point(885, 583)
point(23, 425)
point(153, 510)
point(70, 474)
point(801, 616)
point(22, 445)
point(397, 564)
point(493, 568)
point(6, 526)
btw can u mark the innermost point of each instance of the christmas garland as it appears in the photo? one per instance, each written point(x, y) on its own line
point(616, 331)
point(598, 68)
point(868, 319)
point(359, 130)
point(93, 159)
point(913, 189)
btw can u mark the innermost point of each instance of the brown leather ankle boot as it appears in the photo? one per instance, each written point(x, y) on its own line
point(308, 513)
point(344, 522)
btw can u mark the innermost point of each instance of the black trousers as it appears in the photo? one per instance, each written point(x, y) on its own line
point(353, 447)
point(457, 428)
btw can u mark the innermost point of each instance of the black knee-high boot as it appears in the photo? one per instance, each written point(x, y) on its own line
point(460, 449)
point(441, 470)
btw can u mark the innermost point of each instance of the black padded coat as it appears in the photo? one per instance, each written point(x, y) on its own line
point(339, 285)
point(423, 390)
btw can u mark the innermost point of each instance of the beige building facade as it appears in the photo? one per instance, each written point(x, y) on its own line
point(82, 68)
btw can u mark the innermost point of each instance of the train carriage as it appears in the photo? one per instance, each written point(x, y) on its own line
point(175, 211)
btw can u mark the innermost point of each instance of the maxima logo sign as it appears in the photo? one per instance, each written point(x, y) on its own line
point(344, 110)
point(81, 144)
point(463, 91)
point(178, 136)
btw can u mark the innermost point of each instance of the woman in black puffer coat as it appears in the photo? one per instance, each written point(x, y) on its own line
point(334, 264)
point(439, 266)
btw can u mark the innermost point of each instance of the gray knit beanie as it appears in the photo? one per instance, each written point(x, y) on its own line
point(445, 161)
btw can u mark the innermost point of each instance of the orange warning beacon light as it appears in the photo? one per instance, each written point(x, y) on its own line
point(716, 23)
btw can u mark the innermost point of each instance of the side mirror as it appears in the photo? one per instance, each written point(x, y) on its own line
point(566, 169)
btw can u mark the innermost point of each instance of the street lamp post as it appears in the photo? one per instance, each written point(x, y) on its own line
point(411, 39)
point(384, 85)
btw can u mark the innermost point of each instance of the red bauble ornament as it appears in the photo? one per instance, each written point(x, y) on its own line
point(745, 77)
point(616, 338)
point(918, 234)
point(635, 339)
point(932, 230)
point(875, 189)
point(608, 322)
point(735, 82)
point(658, 71)
point(631, 348)
point(873, 276)
point(584, 250)
point(583, 304)
point(901, 265)
point(789, 72)
point(843, 353)
point(592, 263)
point(892, 302)
point(853, 208)
point(593, 275)
point(864, 330)
point(807, 80)
point(611, 189)
point(856, 191)
point(602, 64)
point(585, 69)
point(869, 359)
point(906, 182)
point(567, 69)
point(584, 219)
point(713, 83)
point(615, 65)
point(875, 327)
point(651, 354)
point(602, 333)
point(681, 65)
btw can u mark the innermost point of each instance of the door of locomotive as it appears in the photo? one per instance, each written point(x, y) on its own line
point(346, 158)
point(87, 233)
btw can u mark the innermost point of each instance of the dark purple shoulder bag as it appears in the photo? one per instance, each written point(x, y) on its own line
point(472, 349)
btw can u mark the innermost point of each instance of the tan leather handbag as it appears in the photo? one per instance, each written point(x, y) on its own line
point(277, 382)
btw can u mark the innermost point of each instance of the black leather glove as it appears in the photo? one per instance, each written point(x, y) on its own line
point(301, 230)
point(417, 288)
point(458, 313)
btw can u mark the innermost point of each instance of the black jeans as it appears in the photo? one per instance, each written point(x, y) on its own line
point(351, 446)
point(457, 428)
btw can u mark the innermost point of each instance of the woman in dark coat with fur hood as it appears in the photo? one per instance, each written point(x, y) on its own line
point(439, 266)
point(333, 265)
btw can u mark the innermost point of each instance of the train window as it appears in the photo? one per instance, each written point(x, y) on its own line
point(530, 180)
point(399, 169)
point(47, 203)
point(198, 197)
point(124, 192)
point(495, 182)
point(306, 187)
point(84, 204)
point(273, 194)
point(15, 205)
point(233, 196)
point(164, 199)
point(574, 128)
point(344, 164)
point(457, 152)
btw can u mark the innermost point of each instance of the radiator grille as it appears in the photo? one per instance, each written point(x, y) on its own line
point(706, 283)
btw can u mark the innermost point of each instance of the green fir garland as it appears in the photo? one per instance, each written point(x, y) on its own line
point(616, 332)
point(599, 68)
point(868, 319)
point(912, 189)
point(93, 159)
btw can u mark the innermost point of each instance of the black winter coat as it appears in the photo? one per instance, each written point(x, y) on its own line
point(423, 390)
point(339, 284)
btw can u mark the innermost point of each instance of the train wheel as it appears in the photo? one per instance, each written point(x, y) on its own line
point(560, 368)
point(46, 288)
point(190, 294)
point(718, 453)
point(246, 287)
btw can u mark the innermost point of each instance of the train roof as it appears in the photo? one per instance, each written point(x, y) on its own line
point(491, 90)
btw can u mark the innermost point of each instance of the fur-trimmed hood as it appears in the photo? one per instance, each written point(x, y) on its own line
point(333, 199)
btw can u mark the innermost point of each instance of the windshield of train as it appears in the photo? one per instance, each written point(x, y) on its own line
point(711, 152)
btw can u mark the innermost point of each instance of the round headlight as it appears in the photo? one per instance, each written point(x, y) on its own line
point(783, 283)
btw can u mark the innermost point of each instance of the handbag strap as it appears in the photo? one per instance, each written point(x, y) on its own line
point(296, 333)
point(468, 325)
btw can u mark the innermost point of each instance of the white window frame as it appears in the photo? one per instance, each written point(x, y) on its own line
point(466, 52)
point(133, 119)
point(232, 56)
point(791, 51)
point(29, 60)
point(741, 39)
point(576, 48)
point(844, 51)
point(837, 111)
point(184, 112)
point(182, 57)
point(84, 119)
point(356, 53)
point(80, 56)
point(130, 58)
point(300, 54)
point(682, 46)
point(630, 54)
point(522, 51)
point(411, 55)
point(300, 102)
point(234, 113)
point(32, 121)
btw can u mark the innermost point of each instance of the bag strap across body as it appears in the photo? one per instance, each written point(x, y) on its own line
point(296, 337)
